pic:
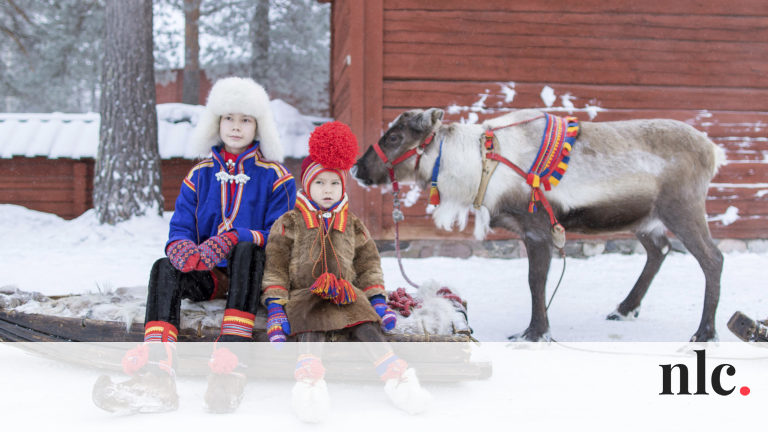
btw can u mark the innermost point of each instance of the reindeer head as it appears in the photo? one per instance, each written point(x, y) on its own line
point(407, 132)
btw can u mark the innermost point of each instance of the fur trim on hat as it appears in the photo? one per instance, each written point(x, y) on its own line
point(238, 96)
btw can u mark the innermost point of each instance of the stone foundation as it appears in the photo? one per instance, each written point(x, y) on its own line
point(516, 249)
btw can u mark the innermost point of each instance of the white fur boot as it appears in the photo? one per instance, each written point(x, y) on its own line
point(407, 394)
point(310, 400)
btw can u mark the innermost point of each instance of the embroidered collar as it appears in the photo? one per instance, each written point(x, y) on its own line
point(313, 216)
point(229, 161)
point(220, 154)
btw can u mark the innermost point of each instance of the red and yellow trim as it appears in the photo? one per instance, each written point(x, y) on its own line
point(160, 331)
point(306, 210)
point(237, 323)
point(258, 238)
point(282, 180)
point(381, 287)
point(188, 179)
point(312, 215)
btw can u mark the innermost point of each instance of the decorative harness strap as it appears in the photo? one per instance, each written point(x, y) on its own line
point(547, 169)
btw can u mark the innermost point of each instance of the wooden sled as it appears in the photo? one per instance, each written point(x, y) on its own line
point(447, 358)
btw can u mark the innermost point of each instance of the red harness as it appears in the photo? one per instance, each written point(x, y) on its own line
point(536, 193)
point(418, 151)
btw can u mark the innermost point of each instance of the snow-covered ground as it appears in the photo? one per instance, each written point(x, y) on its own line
point(599, 375)
point(47, 254)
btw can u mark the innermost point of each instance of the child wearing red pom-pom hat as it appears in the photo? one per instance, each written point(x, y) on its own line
point(323, 271)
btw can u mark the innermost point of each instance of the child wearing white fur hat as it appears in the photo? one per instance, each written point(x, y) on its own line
point(220, 226)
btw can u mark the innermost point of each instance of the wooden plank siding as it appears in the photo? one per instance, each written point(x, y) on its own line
point(356, 95)
point(65, 186)
point(701, 62)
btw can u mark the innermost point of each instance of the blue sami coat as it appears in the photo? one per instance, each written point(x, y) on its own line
point(202, 209)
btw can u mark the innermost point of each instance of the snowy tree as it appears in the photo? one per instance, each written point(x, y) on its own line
point(11, 23)
point(288, 51)
point(282, 44)
point(127, 173)
point(53, 58)
point(258, 32)
point(300, 60)
point(191, 85)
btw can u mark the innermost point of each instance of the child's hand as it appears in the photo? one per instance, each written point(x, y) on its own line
point(277, 323)
point(184, 255)
point(216, 249)
point(388, 317)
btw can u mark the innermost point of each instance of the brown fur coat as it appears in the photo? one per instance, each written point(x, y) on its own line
point(290, 271)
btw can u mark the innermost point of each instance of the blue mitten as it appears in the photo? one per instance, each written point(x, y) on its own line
point(277, 322)
point(388, 318)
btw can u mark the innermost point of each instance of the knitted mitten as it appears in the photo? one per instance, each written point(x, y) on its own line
point(277, 322)
point(184, 255)
point(216, 249)
point(388, 318)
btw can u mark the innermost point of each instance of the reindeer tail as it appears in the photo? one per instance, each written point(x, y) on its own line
point(720, 159)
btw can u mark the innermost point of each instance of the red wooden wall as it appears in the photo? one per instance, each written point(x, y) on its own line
point(702, 62)
point(65, 186)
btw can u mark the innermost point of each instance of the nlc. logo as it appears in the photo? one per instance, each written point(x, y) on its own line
point(701, 377)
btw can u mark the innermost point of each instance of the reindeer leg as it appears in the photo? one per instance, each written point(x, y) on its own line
point(656, 247)
point(691, 228)
point(538, 246)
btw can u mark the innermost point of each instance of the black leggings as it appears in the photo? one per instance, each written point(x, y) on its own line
point(167, 286)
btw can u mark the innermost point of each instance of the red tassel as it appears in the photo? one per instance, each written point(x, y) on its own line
point(346, 294)
point(325, 286)
point(329, 287)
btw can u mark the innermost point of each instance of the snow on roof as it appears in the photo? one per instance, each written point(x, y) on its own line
point(76, 136)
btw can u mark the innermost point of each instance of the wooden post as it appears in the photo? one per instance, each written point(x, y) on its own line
point(362, 64)
point(373, 95)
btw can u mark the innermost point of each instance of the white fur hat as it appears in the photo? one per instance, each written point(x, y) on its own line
point(237, 96)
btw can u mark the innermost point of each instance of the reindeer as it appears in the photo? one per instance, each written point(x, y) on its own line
point(642, 176)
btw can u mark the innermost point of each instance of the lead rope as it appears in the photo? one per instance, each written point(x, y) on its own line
point(562, 273)
point(397, 216)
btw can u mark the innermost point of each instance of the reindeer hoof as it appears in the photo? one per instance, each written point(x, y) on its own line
point(531, 336)
point(705, 336)
point(629, 316)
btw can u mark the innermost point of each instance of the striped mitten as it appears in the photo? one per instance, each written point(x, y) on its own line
point(216, 249)
point(184, 255)
point(388, 318)
point(277, 322)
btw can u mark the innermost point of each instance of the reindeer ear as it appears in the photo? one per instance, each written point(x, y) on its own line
point(426, 120)
point(437, 115)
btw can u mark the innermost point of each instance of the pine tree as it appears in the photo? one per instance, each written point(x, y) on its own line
point(191, 84)
point(50, 59)
point(127, 173)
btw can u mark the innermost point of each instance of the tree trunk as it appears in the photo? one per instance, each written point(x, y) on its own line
point(127, 174)
point(191, 84)
point(259, 34)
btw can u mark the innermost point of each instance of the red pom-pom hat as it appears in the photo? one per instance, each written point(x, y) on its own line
point(332, 147)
